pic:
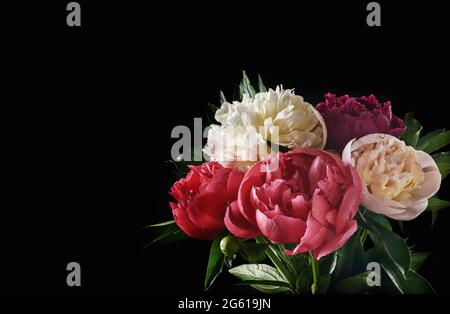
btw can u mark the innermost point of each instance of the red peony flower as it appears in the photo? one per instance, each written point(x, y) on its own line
point(347, 118)
point(203, 197)
point(311, 200)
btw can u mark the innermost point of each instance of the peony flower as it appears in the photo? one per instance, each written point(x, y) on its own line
point(348, 117)
point(278, 116)
point(397, 179)
point(235, 146)
point(202, 198)
point(310, 200)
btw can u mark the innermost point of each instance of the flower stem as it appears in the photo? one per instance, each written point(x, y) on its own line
point(316, 272)
point(363, 237)
point(277, 261)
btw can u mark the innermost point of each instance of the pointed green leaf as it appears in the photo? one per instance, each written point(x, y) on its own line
point(304, 281)
point(350, 258)
point(246, 87)
point(434, 215)
point(437, 142)
point(423, 140)
point(380, 219)
point(215, 262)
point(328, 263)
point(161, 224)
point(213, 107)
point(435, 204)
point(416, 284)
point(353, 285)
point(412, 132)
point(417, 259)
point(248, 272)
point(261, 87)
point(222, 98)
point(171, 234)
point(389, 243)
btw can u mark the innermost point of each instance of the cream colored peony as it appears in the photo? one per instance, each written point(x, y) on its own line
point(278, 116)
point(398, 179)
point(299, 124)
point(235, 146)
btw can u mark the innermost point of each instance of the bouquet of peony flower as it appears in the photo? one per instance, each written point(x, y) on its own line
point(304, 199)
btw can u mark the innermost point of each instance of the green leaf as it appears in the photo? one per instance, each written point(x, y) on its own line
point(222, 98)
point(413, 283)
point(394, 274)
point(353, 285)
point(389, 243)
point(248, 272)
point(161, 224)
point(215, 262)
point(416, 284)
point(412, 132)
point(169, 233)
point(322, 284)
point(417, 260)
point(304, 281)
point(261, 87)
point(246, 87)
point(274, 283)
point(380, 219)
point(228, 260)
point(423, 140)
point(213, 107)
point(435, 204)
point(253, 252)
point(328, 263)
point(436, 142)
point(444, 169)
point(442, 157)
point(434, 215)
point(350, 258)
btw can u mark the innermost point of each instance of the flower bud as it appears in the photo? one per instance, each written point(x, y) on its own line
point(230, 245)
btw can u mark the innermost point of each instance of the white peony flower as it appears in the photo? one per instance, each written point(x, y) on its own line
point(398, 179)
point(235, 146)
point(283, 118)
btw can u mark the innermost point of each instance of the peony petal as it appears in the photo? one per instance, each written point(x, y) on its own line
point(337, 241)
point(429, 186)
point(323, 124)
point(331, 216)
point(279, 228)
point(347, 154)
point(426, 161)
point(317, 172)
point(348, 207)
point(238, 225)
point(412, 212)
point(378, 206)
point(300, 207)
point(314, 236)
point(233, 184)
point(320, 207)
point(193, 230)
point(253, 177)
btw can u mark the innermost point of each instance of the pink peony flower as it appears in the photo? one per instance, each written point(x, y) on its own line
point(347, 118)
point(203, 197)
point(310, 200)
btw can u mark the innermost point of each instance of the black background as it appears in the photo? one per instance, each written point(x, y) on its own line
point(91, 110)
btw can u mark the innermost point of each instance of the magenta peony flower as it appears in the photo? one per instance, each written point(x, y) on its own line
point(347, 118)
